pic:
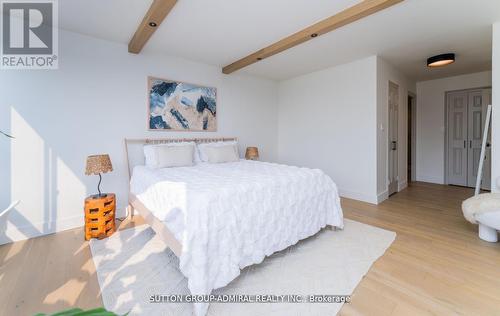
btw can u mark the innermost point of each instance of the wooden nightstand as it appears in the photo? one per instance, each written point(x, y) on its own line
point(100, 216)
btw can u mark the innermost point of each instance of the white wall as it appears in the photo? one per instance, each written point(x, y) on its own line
point(386, 73)
point(430, 121)
point(495, 148)
point(95, 99)
point(327, 121)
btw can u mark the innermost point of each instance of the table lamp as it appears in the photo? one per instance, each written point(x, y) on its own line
point(97, 164)
point(252, 153)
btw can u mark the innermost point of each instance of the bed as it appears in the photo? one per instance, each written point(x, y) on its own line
point(220, 218)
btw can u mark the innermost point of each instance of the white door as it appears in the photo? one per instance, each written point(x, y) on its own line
point(486, 179)
point(475, 134)
point(457, 138)
point(393, 137)
point(466, 119)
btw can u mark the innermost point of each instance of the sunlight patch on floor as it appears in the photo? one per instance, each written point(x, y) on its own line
point(73, 286)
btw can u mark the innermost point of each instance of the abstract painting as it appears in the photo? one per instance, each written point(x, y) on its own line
point(180, 106)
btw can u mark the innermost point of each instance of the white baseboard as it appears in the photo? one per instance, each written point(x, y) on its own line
point(358, 196)
point(402, 185)
point(14, 233)
point(381, 197)
point(17, 233)
point(430, 178)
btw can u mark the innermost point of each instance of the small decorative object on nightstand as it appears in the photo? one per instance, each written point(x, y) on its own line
point(252, 153)
point(100, 216)
point(99, 208)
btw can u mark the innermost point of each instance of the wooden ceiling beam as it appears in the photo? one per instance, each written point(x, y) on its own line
point(354, 13)
point(156, 14)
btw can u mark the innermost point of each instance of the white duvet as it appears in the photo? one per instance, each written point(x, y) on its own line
point(231, 215)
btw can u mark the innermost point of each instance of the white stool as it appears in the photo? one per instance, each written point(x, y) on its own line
point(489, 224)
point(484, 209)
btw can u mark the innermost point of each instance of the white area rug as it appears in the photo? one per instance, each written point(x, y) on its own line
point(134, 264)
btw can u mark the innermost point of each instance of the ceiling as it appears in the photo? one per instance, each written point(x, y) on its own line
point(219, 32)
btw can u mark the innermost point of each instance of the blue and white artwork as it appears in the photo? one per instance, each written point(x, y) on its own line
point(179, 106)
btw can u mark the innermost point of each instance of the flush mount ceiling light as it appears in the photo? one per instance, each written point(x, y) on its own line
point(441, 60)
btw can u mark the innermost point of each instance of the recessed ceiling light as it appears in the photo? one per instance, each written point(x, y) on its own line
point(314, 34)
point(441, 60)
point(153, 24)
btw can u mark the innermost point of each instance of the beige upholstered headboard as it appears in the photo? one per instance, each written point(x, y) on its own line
point(134, 147)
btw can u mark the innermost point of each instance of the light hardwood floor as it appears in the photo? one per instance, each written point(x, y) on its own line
point(436, 266)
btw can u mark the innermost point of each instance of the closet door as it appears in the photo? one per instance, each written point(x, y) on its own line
point(457, 138)
point(476, 119)
point(486, 183)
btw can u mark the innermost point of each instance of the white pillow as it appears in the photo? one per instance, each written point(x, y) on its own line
point(202, 148)
point(151, 153)
point(218, 154)
point(175, 156)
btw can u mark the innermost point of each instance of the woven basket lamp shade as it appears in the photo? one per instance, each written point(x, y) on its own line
point(96, 165)
point(252, 153)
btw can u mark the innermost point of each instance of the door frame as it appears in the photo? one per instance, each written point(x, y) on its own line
point(446, 126)
point(413, 144)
